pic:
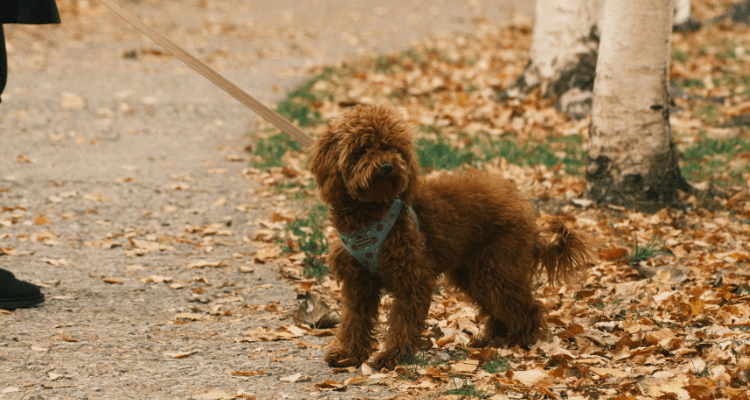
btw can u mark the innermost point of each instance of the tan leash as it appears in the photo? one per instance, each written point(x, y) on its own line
point(213, 76)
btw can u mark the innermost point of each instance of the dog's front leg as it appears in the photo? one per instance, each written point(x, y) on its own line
point(360, 293)
point(406, 320)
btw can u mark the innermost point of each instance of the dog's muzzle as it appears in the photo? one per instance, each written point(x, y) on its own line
point(386, 168)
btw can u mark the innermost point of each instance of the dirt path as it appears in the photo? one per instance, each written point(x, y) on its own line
point(122, 193)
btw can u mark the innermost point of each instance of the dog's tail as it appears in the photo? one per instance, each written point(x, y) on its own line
point(565, 253)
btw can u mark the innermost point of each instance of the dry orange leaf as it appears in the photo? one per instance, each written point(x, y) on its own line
point(571, 331)
point(181, 354)
point(612, 254)
point(446, 340)
point(68, 338)
point(10, 251)
point(466, 366)
point(696, 306)
point(251, 373)
point(330, 384)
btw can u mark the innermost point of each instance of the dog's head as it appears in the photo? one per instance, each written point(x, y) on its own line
point(367, 154)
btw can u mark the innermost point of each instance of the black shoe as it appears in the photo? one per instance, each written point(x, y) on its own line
point(17, 294)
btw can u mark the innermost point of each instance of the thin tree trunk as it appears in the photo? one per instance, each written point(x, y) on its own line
point(564, 50)
point(564, 34)
point(632, 160)
point(684, 21)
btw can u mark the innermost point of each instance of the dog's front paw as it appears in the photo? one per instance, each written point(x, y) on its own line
point(339, 357)
point(387, 360)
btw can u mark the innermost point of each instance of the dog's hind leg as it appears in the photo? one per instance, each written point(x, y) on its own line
point(504, 296)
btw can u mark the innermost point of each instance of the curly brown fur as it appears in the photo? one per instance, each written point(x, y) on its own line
point(473, 227)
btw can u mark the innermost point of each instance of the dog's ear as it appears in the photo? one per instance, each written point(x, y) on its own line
point(412, 162)
point(324, 164)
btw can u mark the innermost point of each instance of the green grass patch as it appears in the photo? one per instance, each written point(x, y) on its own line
point(726, 51)
point(468, 391)
point(732, 81)
point(723, 161)
point(680, 56)
point(294, 111)
point(643, 253)
point(690, 83)
point(296, 106)
point(413, 361)
point(405, 61)
point(708, 112)
point(305, 91)
point(308, 233)
point(498, 364)
point(441, 154)
point(293, 189)
point(269, 151)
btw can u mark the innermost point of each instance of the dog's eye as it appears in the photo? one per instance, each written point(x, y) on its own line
point(359, 153)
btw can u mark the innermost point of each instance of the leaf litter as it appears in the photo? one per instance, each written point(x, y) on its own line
point(666, 311)
point(672, 325)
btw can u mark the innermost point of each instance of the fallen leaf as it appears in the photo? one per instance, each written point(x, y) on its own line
point(124, 179)
point(205, 263)
point(295, 378)
point(179, 285)
point(530, 377)
point(190, 316)
point(246, 396)
point(156, 279)
point(58, 262)
point(181, 354)
point(53, 376)
point(68, 338)
point(465, 366)
point(315, 313)
point(612, 254)
point(95, 197)
point(330, 384)
point(264, 235)
point(268, 253)
point(22, 159)
point(374, 379)
point(214, 395)
point(253, 373)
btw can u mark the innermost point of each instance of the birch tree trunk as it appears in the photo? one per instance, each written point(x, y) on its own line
point(684, 21)
point(564, 50)
point(632, 159)
point(563, 47)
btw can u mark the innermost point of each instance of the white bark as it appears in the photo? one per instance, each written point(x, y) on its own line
point(631, 157)
point(561, 34)
point(682, 12)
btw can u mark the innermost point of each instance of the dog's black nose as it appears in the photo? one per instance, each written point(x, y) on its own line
point(386, 168)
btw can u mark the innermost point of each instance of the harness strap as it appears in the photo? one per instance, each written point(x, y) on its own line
point(365, 244)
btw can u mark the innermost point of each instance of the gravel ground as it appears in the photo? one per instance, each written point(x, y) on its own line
point(122, 194)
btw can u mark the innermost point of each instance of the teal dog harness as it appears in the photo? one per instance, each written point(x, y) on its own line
point(365, 244)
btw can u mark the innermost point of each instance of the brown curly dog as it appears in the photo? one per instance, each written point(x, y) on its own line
point(399, 232)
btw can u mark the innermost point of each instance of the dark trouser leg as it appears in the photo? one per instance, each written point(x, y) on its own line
point(3, 62)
